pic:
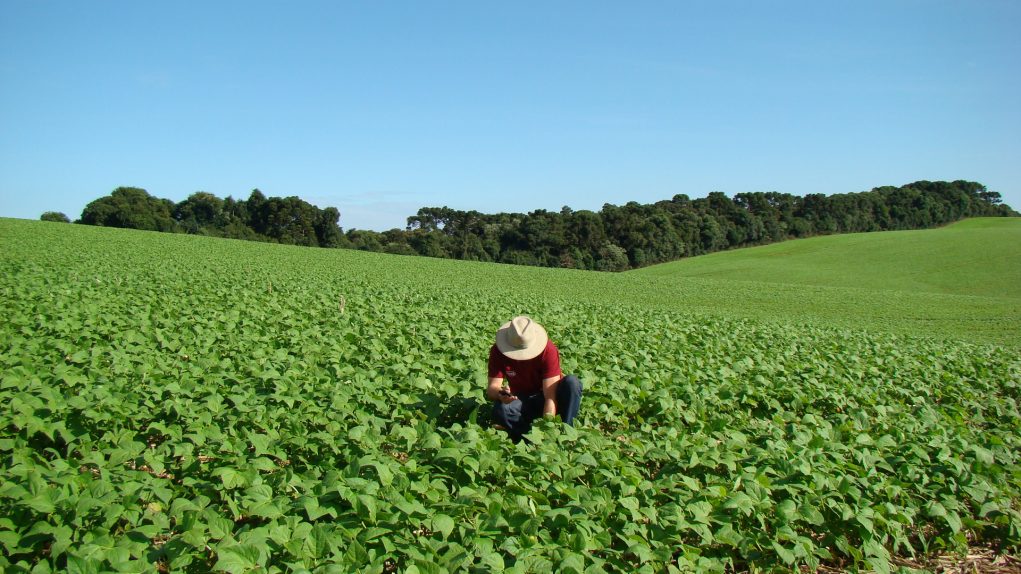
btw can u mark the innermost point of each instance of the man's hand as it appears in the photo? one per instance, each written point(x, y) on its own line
point(496, 391)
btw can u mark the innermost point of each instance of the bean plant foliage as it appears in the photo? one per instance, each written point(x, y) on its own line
point(185, 404)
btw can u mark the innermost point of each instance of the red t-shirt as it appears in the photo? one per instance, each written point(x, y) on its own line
point(525, 377)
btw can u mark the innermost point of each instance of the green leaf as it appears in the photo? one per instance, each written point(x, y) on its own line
point(936, 510)
point(954, 521)
point(982, 455)
point(318, 542)
point(10, 541)
point(492, 561)
point(80, 565)
point(231, 477)
point(786, 510)
point(450, 453)
point(787, 556)
point(443, 524)
point(700, 511)
point(866, 522)
point(630, 503)
point(367, 507)
point(579, 541)
point(811, 515)
point(739, 501)
point(382, 470)
point(572, 563)
point(237, 559)
point(42, 502)
point(262, 463)
point(879, 565)
point(219, 527)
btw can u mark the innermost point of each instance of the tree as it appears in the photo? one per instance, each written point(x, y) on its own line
point(614, 239)
point(429, 243)
point(328, 232)
point(234, 221)
point(398, 248)
point(612, 258)
point(132, 208)
point(201, 213)
point(713, 237)
point(55, 216)
point(432, 219)
point(584, 229)
point(364, 240)
point(817, 211)
point(287, 220)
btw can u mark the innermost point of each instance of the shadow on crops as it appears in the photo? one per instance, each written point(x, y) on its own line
point(457, 409)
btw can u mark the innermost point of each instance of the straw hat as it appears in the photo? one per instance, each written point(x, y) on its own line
point(521, 339)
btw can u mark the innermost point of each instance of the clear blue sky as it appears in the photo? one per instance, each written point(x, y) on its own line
point(379, 108)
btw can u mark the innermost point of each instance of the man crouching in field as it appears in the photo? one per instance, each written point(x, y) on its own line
point(530, 362)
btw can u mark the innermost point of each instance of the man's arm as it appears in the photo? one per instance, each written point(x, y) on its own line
point(549, 395)
point(493, 391)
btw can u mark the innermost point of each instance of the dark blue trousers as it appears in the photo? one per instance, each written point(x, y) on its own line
point(517, 416)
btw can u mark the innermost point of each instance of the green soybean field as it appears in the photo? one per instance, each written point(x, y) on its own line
point(177, 403)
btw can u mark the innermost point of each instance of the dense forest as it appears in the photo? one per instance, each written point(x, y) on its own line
point(259, 218)
point(613, 239)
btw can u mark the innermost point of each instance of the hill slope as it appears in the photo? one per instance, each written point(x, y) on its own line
point(961, 282)
point(979, 256)
point(208, 404)
point(745, 284)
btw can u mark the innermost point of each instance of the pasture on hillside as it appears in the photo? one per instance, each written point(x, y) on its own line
point(962, 281)
point(979, 256)
point(186, 404)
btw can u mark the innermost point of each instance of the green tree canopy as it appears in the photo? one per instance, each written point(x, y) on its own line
point(54, 216)
point(130, 207)
point(613, 239)
point(201, 211)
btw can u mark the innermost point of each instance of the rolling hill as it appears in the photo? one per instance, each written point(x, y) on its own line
point(980, 256)
point(961, 281)
point(190, 404)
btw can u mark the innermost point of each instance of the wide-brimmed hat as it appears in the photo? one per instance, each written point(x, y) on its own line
point(521, 339)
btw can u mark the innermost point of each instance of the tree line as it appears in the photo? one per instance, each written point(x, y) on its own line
point(289, 220)
point(615, 238)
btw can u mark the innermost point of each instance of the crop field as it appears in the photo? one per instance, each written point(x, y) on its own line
point(183, 404)
point(963, 281)
point(977, 256)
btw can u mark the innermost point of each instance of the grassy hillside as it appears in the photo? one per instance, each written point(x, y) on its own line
point(960, 282)
point(979, 256)
point(743, 284)
point(186, 404)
